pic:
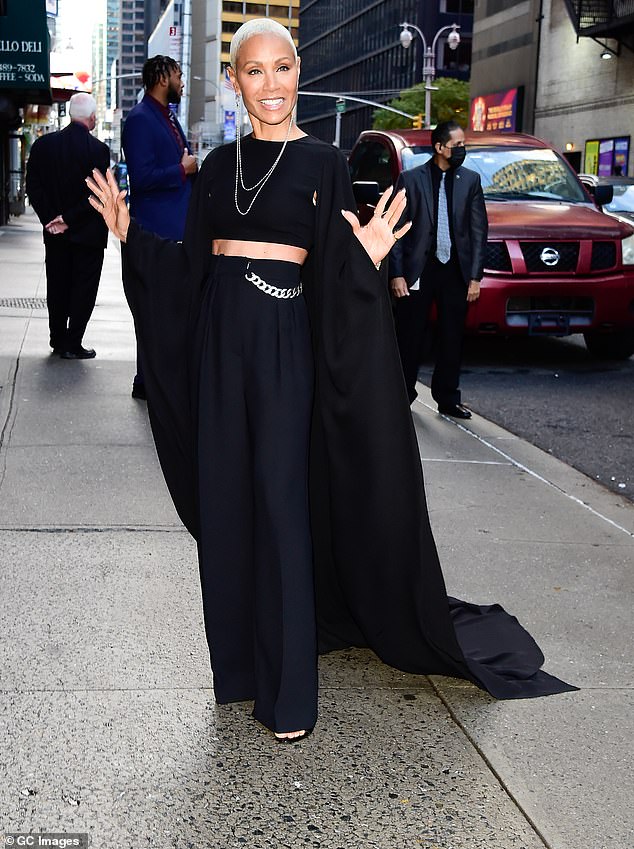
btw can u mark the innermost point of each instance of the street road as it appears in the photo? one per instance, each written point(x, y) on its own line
point(552, 393)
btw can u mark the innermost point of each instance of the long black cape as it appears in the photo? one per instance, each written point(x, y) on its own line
point(377, 575)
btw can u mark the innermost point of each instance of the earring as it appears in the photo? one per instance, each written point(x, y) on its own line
point(238, 114)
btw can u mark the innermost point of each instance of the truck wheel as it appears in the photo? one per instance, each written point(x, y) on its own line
point(610, 346)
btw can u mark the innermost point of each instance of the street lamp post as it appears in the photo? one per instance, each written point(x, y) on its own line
point(429, 57)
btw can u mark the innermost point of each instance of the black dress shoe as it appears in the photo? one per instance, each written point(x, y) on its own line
point(455, 410)
point(138, 391)
point(80, 353)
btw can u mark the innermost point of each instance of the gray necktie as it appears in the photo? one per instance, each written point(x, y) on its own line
point(443, 236)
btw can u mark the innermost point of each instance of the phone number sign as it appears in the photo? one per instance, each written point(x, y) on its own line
point(20, 73)
point(24, 51)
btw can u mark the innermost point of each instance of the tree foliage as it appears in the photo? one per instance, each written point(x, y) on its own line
point(449, 103)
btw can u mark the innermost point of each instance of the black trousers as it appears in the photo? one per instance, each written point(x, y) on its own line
point(72, 280)
point(255, 552)
point(444, 285)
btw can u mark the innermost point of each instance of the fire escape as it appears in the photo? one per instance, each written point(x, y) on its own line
point(604, 19)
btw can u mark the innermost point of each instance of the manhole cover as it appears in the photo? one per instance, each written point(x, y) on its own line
point(23, 303)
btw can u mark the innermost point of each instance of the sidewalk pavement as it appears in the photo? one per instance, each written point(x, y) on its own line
point(107, 717)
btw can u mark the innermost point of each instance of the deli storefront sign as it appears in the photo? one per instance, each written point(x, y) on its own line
point(24, 51)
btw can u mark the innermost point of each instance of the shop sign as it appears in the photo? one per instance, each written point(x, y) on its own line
point(621, 155)
point(607, 157)
point(591, 165)
point(229, 126)
point(24, 50)
point(498, 112)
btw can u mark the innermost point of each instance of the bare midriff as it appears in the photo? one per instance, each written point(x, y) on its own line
point(259, 250)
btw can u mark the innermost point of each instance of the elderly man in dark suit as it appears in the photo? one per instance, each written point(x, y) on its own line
point(160, 166)
point(440, 259)
point(74, 234)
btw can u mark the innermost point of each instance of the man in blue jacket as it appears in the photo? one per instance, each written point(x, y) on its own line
point(160, 167)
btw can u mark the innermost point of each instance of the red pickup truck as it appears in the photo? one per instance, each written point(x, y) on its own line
point(554, 263)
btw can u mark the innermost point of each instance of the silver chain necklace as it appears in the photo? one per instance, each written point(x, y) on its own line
point(257, 187)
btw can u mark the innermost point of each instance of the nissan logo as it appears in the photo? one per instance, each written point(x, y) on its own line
point(549, 256)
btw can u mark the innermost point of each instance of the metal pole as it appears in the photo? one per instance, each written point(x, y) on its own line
point(186, 64)
point(355, 100)
point(429, 72)
point(429, 62)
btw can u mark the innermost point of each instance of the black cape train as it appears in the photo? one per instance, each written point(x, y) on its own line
point(378, 578)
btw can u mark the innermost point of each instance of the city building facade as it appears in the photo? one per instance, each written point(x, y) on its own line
point(585, 105)
point(205, 80)
point(113, 46)
point(235, 12)
point(567, 72)
point(504, 70)
point(132, 53)
point(352, 47)
point(211, 102)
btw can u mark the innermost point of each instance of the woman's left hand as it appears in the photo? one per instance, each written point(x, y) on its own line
point(378, 235)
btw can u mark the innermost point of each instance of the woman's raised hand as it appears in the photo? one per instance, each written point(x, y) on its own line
point(378, 235)
point(109, 202)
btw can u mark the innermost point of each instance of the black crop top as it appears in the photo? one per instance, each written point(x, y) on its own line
point(284, 211)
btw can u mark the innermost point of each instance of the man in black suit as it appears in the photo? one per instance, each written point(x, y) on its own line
point(74, 234)
point(439, 260)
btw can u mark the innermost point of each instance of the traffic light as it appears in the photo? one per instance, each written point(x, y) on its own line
point(417, 122)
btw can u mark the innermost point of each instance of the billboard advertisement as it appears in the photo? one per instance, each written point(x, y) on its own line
point(229, 129)
point(607, 157)
point(497, 112)
point(621, 155)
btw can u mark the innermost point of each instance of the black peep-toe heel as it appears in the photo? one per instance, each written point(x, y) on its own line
point(303, 736)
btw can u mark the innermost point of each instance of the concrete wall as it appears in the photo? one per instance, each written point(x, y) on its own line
point(204, 109)
point(581, 96)
point(504, 51)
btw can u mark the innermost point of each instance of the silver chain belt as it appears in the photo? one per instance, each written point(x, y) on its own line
point(265, 287)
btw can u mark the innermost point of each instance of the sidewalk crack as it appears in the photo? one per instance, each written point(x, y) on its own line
point(503, 785)
point(9, 422)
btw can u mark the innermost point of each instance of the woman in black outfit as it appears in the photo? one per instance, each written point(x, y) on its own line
point(281, 419)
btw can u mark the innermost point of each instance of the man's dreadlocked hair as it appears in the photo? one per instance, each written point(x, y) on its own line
point(156, 69)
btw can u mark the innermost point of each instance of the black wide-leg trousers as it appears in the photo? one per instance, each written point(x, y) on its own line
point(255, 552)
point(444, 285)
point(72, 280)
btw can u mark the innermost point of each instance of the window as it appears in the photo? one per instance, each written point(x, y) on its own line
point(459, 59)
point(371, 162)
point(523, 173)
point(457, 7)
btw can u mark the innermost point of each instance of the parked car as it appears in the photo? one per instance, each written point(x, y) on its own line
point(555, 265)
point(622, 203)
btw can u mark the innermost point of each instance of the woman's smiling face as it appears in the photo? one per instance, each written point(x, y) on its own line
point(267, 76)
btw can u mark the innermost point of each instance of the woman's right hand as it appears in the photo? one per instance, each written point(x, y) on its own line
point(109, 202)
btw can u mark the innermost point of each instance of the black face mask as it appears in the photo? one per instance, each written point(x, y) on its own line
point(457, 156)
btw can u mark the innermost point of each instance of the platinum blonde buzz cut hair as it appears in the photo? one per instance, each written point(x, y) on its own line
point(82, 105)
point(258, 26)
